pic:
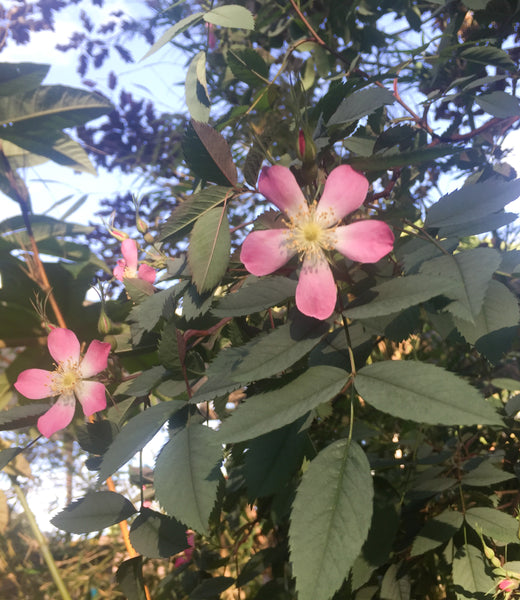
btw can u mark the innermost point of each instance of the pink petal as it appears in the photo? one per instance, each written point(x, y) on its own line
point(316, 292)
point(345, 190)
point(91, 395)
point(58, 416)
point(63, 345)
point(280, 187)
point(265, 251)
point(119, 271)
point(35, 384)
point(95, 359)
point(364, 241)
point(129, 252)
point(146, 273)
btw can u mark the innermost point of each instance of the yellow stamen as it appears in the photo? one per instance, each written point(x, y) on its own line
point(309, 234)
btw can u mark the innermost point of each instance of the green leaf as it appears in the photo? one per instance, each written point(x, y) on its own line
point(396, 294)
point(211, 588)
point(18, 78)
point(393, 587)
point(476, 226)
point(469, 572)
point(13, 230)
point(157, 536)
point(187, 475)
point(135, 435)
point(218, 149)
point(499, 104)
point(499, 311)
point(94, 512)
point(196, 89)
point(360, 104)
point(488, 55)
point(208, 252)
point(472, 201)
point(276, 351)
point(391, 159)
point(186, 213)
point(129, 577)
point(255, 295)
point(272, 459)
point(7, 455)
point(493, 523)
point(266, 412)
point(486, 475)
point(471, 272)
point(328, 528)
point(231, 15)
point(423, 393)
point(96, 437)
point(22, 416)
point(173, 31)
point(248, 66)
point(437, 531)
point(49, 109)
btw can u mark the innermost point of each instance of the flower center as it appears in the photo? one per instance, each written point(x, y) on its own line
point(65, 378)
point(309, 235)
point(130, 273)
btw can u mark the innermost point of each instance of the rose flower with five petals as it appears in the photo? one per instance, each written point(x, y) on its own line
point(127, 266)
point(310, 231)
point(68, 381)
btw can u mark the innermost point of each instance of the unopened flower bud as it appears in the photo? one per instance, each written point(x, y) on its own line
point(104, 324)
point(148, 238)
point(142, 226)
point(119, 235)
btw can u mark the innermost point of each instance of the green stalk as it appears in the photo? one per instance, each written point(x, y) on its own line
point(42, 542)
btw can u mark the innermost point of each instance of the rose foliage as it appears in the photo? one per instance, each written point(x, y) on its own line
point(317, 305)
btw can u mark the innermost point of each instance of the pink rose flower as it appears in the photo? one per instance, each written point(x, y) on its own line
point(310, 231)
point(185, 556)
point(127, 266)
point(68, 381)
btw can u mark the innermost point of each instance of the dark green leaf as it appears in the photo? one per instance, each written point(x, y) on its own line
point(471, 272)
point(270, 411)
point(135, 435)
point(96, 437)
point(493, 523)
point(208, 252)
point(129, 577)
point(328, 528)
point(218, 149)
point(360, 104)
point(157, 536)
point(21, 416)
point(211, 588)
point(499, 104)
point(472, 201)
point(437, 531)
point(94, 512)
point(255, 295)
point(272, 459)
point(7, 455)
point(469, 572)
point(423, 393)
point(187, 475)
point(488, 55)
point(231, 15)
point(248, 66)
point(486, 475)
point(17, 78)
point(392, 159)
point(396, 294)
point(394, 587)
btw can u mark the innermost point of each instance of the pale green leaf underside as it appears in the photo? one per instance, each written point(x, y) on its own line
point(423, 393)
point(231, 15)
point(330, 519)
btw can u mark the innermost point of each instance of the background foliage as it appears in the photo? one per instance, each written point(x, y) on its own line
point(371, 455)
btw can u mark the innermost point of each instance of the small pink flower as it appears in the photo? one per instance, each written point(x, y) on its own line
point(507, 585)
point(310, 231)
point(127, 266)
point(185, 556)
point(68, 381)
